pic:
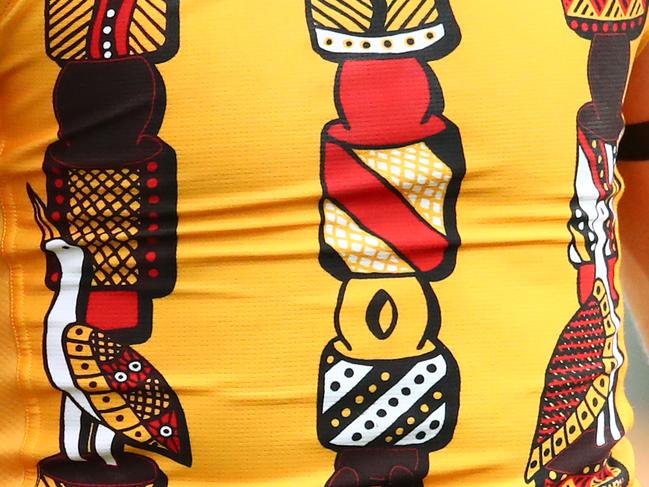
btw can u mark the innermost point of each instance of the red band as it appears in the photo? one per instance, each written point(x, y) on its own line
point(381, 210)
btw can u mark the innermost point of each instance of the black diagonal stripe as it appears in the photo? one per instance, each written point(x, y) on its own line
point(343, 13)
point(57, 46)
point(161, 29)
point(53, 13)
point(67, 38)
point(162, 12)
point(146, 34)
point(395, 15)
point(54, 25)
point(331, 19)
point(63, 30)
point(137, 41)
point(413, 13)
point(427, 16)
point(78, 54)
point(354, 9)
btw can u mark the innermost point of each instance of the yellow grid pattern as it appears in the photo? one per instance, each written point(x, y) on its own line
point(104, 218)
point(418, 174)
point(361, 251)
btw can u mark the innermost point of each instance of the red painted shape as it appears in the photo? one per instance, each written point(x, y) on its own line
point(381, 210)
point(122, 24)
point(385, 102)
point(586, 280)
point(113, 310)
point(611, 262)
point(95, 37)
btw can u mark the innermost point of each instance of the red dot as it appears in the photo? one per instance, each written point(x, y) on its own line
point(152, 166)
point(154, 228)
point(56, 170)
point(55, 277)
point(60, 199)
point(152, 240)
point(623, 25)
point(574, 24)
point(584, 27)
point(154, 273)
point(152, 183)
point(605, 27)
point(58, 183)
point(633, 24)
point(640, 21)
point(151, 256)
point(595, 27)
point(56, 216)
point(154, 200)
point(154, 215)
point(615, 27)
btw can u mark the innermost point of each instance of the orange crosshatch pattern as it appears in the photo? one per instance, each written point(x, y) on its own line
point(241, 336)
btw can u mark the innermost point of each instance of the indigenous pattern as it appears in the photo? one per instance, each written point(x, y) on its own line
point(127, 392)
point(578, 422)
point(589, 17)
point(392, 166)
point(109, 235)
point(90, 29)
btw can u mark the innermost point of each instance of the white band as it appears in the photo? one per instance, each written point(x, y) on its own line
point(342, 43)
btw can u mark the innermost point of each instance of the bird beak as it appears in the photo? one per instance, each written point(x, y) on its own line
point(48, 229)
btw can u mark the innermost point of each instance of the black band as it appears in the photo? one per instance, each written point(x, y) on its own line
point(635, 143)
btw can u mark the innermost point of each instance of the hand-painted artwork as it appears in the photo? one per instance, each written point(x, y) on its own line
point(391, 170)
point(109, 235)
point(578, 423)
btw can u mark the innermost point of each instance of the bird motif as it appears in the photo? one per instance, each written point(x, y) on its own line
point(122, 394)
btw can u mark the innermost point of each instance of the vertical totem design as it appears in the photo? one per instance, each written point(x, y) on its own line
point(111, 181)
point(109, 235)
point(578, 421)
point(392, 166)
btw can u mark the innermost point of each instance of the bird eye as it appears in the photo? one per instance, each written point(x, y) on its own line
point(135, 366)
point(121, 377)
point(65, 247)
point(166, 431)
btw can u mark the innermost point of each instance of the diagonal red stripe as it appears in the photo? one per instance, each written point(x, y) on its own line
point(381, 210)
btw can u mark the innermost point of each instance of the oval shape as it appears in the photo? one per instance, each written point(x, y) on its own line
point(374, 312)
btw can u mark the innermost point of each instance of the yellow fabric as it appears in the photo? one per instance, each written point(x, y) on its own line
point(240, 337)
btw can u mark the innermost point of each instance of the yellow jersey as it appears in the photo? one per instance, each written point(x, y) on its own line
point(313, 243)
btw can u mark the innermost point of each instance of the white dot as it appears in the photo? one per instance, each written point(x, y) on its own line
point(110, 13)
point(108, 54)
point(107, 45)
point(121, 377)
point(135, 366)
point(108, 29)
point(166, 431)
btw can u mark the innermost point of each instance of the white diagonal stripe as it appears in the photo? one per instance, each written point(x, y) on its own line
point(438, 417)
point(337, 374)
point(403, 404)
